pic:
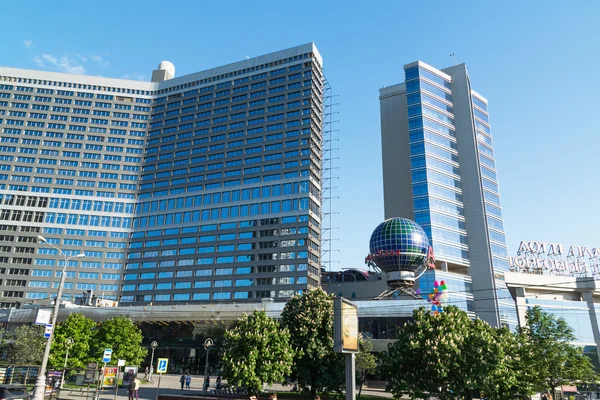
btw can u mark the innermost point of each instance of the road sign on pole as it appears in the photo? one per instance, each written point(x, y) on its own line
point(162, 365)
point(161, 368)
point(107, 355)
point(43, 316)
point(48, 331)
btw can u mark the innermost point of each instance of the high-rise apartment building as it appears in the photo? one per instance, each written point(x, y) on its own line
point(205, 187)
point(439, 170)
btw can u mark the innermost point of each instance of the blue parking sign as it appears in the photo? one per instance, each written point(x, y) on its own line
point(162, 365)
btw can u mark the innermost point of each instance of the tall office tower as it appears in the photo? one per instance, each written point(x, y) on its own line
point(438, 169)
point(205, 187)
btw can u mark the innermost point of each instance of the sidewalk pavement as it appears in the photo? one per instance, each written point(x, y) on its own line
point(169, 384)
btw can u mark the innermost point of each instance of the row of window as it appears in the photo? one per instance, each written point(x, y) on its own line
point(208, 296)
point(176, 230)
point(222, 106)
point(78, 136)
point(245, 210)
point(76, 128)
point(237, 114)
point(287, 280)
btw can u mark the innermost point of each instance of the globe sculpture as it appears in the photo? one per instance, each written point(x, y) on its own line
point(399, 250)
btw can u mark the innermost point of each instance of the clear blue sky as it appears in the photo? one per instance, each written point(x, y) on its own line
point(536, 62)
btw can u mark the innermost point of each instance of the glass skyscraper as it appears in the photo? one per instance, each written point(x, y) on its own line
point(439, 169)
point(205, 187)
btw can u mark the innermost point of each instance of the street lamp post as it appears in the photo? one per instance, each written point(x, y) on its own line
point(40, 383)
point(68, 344)
point(208, 343)
point(154, 345)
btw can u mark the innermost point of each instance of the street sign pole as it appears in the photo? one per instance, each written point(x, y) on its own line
point(158, 386)
point(161, 369)
point(117, 383)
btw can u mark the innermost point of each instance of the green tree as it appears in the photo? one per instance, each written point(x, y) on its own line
point(123, 337)
point(365, 362)
point(447, 356)
point(309, 318)
point(554, 360)
point(26, 345)
point(79, 328)
point(256, 351)
point(511, 376)
point(4, 338)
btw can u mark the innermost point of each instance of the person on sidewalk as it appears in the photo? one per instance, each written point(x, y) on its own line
point(136, 387)
point(188, 381)
point(130, 388)
point(182, 381)
point(219, 382)
point(206, 383)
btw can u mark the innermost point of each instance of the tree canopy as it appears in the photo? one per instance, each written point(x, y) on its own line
point(554, 361)
point(79, 328)
point(309, 319)
point(365, 362)
point(25, 344)
point(123, 337)
point(450, 356)
point(256, 351)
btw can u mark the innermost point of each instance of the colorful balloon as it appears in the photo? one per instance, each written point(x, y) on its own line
point(436, 284)
point(418, 291)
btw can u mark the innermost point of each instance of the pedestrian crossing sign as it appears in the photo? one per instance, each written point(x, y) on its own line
point(162, 365)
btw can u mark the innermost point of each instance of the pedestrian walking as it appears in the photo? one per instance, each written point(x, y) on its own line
point(136, 387)
point(188, 381)
point(219, 382)
point(146, 374)
point(182, 381)
point(206, 383)
point(130, 388)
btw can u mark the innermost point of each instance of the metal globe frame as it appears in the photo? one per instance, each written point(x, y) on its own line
point(402, 261)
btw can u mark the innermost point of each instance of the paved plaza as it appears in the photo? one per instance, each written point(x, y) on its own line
point(169, 385)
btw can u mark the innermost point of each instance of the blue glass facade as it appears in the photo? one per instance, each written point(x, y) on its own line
point(437, 129)
point(575, 313)
point(204, 187)
point(435, 171)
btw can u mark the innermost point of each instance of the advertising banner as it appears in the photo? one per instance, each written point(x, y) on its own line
point(345, 326)
point(90, 372)
point(109, 377)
